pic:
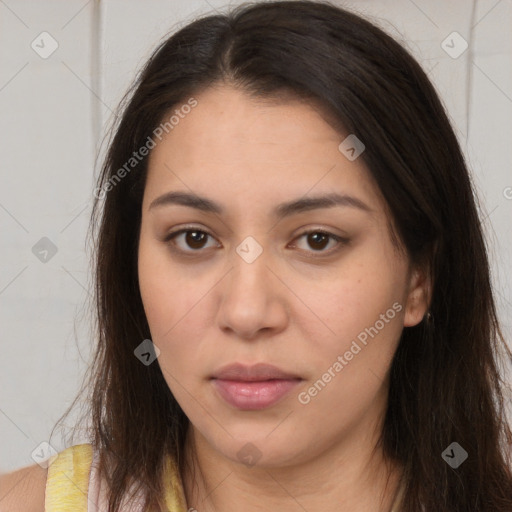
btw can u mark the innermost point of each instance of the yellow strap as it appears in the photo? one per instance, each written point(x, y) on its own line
point(68, 480)
point(174, 493)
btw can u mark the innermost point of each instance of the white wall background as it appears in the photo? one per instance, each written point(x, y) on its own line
point(54, 111)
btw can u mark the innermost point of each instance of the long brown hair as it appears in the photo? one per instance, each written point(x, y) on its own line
point(445, 382)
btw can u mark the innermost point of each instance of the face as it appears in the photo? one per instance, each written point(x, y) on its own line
point(314, 289)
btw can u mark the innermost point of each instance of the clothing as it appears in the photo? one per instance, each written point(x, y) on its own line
point(73, 485)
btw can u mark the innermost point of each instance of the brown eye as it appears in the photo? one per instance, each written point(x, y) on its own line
point(317, 241)
point(195, 239)
point(192, 240)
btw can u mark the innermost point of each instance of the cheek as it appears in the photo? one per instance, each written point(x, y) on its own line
point(158, 284)
point(353, 297)
point(170, 326)
point(358, 316)
point(174, 303)
point(361, 329)
point(350, 358)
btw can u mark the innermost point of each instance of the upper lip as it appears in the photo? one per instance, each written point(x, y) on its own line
point(257, 372)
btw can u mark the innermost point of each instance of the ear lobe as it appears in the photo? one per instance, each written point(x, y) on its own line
point(418, 300)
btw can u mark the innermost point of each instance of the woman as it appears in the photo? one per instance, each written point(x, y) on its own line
point(293, 293)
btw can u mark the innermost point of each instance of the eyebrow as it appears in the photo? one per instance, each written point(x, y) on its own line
point(282, 210)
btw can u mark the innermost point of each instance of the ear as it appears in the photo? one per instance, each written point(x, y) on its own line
point(419, 296)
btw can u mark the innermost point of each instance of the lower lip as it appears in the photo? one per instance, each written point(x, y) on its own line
point(254, 395)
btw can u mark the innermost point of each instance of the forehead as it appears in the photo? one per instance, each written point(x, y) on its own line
point(255, 149)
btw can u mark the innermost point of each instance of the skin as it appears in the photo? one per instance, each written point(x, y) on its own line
point(287, 308)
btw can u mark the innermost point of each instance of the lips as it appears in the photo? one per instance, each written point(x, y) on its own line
point(257, 372)
point(253, 387)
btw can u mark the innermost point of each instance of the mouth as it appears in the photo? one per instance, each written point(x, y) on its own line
point(253, 387)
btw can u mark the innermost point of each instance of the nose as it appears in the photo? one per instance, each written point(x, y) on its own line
point(253, 300)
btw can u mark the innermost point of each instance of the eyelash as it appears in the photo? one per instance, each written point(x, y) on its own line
point(320, 253)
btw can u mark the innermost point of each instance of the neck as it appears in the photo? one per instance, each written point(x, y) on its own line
point(352, 475)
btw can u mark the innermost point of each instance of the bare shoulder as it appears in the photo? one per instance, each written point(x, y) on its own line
point(23, 490)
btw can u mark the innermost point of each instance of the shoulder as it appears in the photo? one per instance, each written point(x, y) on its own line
point(23, 490)
point(36, 489)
